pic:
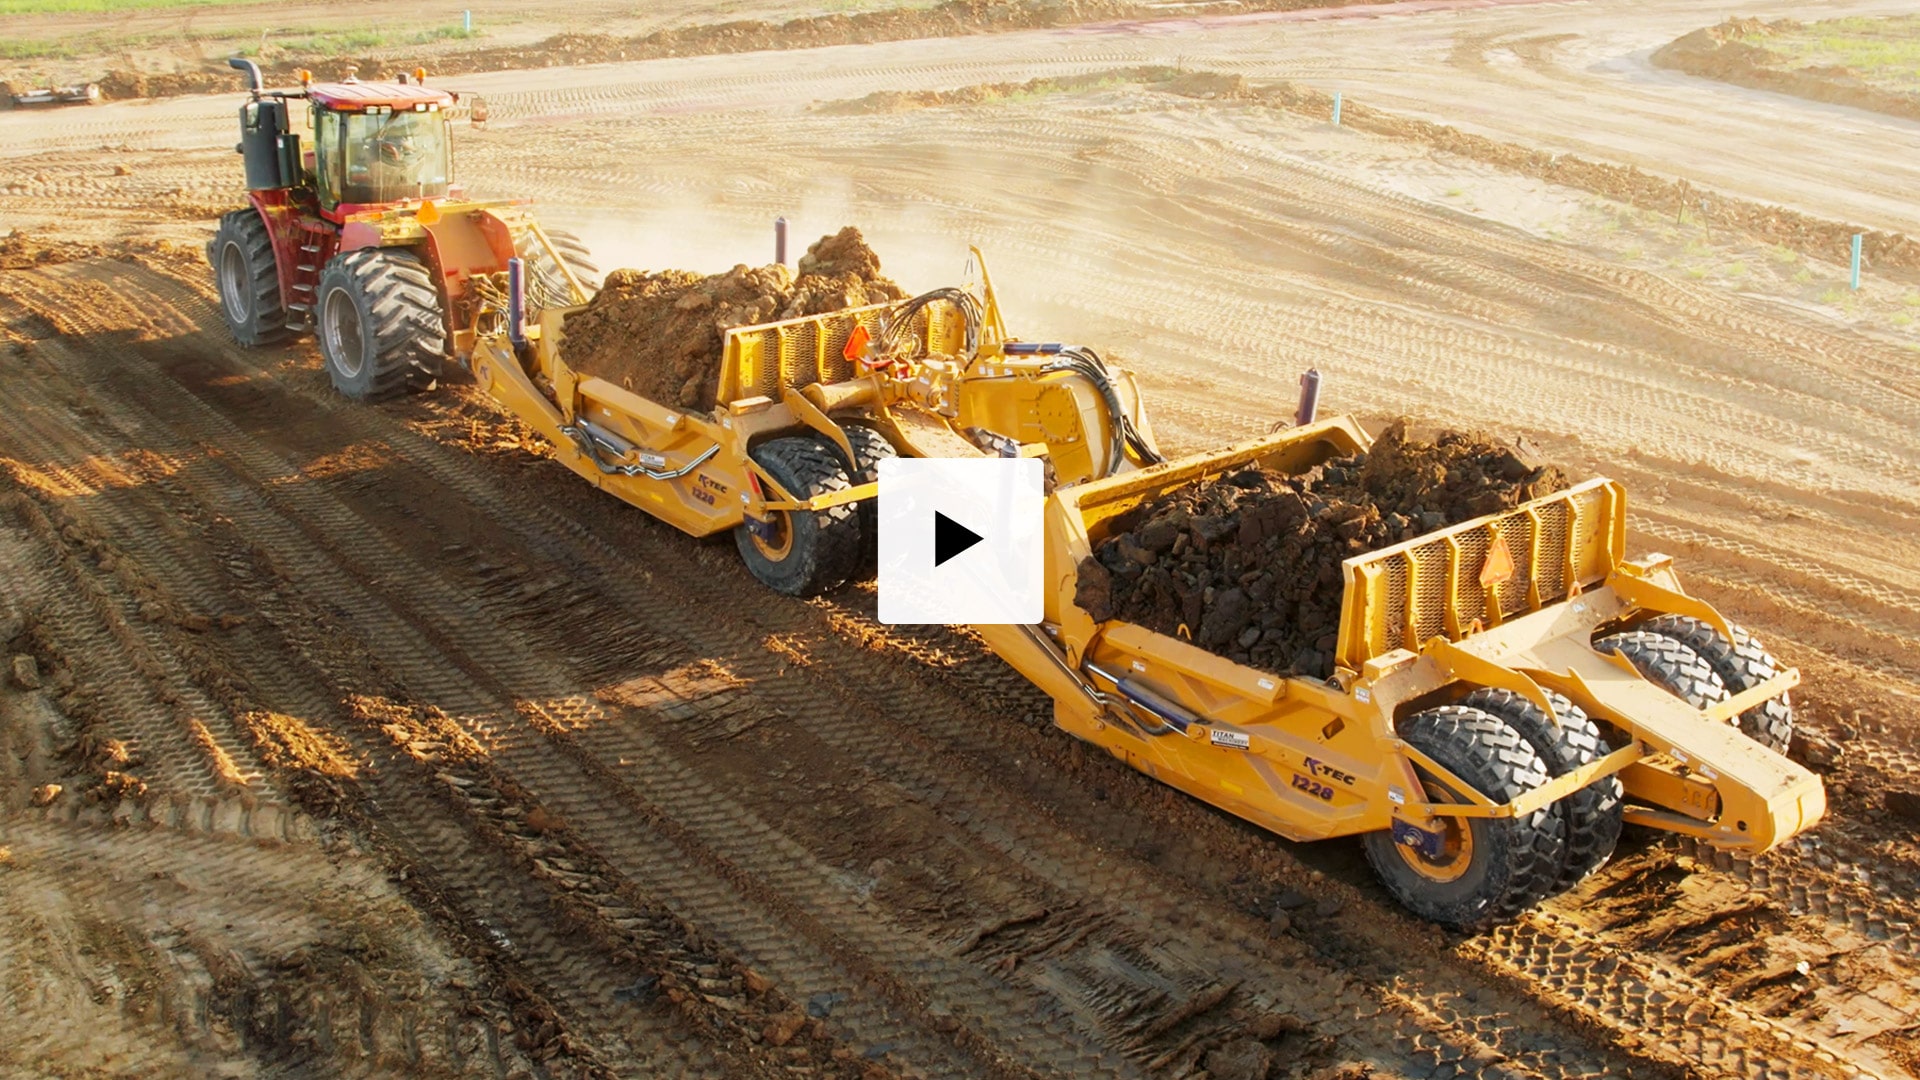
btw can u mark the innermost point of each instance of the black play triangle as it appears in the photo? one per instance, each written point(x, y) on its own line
point(950, 538)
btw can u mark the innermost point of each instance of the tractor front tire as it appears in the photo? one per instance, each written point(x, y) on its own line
point(379, 322)
point(1742, 664)
point(247, 279)
point(1592, 814)
point(803, 552)
point(1488, 869)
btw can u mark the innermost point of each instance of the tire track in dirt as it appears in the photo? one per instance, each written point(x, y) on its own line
point(507, 911)
point(284, 1006)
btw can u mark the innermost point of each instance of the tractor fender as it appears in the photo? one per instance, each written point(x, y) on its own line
point(275, 215)
point(355, 235)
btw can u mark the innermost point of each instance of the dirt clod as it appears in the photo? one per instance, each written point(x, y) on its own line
point(1814, 751)
point(1904, 804)
point(1240, 1059)
point(660, 333)
point(1270, 1026)
point(45, 794)
point(1249, 565)
point(781, 1029)
point(25, 673)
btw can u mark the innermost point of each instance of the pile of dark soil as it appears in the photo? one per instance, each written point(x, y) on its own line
point(1248, 565)
point(660, 334)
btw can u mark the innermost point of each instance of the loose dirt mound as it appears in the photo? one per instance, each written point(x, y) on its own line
point(1197, 84)
point(660, 334)
point(1248, 566)
point(1726, 52)
point(23, 251)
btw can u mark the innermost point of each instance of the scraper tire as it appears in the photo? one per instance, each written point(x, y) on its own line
point(803, 552)
point(870, 448)
point(1592, 814)
point(1489, 869)
point(1668, 664)
point(1742, 664)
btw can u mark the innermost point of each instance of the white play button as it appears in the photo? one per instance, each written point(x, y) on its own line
point(960, 540)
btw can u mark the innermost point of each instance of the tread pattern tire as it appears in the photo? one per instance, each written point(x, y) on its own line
point(402, 329)
point(1514, 861)
point(870, 448)
point(546, 286)
point(1742, 664)
point(824, 546)
point(264, 318)
point(1668, 664)
point(1592, 815)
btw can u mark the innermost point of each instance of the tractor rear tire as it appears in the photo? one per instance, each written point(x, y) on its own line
point(1592, 814)
point(803, 552)
point(870, 448)
point(1742, 664)
point(379, 322)
point(546, 286)
point(1490, 869)
point(247, 279)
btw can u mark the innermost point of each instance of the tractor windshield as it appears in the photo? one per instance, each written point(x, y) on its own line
point(392, 156)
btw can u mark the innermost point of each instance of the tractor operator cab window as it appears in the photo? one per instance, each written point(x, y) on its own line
point(383, 157)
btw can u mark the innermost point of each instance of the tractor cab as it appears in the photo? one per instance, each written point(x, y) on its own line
point(379, 143)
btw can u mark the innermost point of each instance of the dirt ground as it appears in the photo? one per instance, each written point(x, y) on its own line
point(367, 742)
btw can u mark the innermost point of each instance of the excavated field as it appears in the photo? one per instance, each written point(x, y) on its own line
point(364, 741)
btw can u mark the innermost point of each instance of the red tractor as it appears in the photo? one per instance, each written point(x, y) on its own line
point(364, 238)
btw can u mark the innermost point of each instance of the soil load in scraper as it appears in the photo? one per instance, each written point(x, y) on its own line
point(1489, 690)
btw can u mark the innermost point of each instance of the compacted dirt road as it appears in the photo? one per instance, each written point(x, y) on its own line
point(385, 747)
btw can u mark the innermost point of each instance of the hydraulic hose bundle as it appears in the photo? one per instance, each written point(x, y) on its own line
point(1087, 364)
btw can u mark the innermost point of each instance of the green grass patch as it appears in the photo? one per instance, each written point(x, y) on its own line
point(1783, 255)
point(35, 50)
point(1883, 51)
point(332, 42)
